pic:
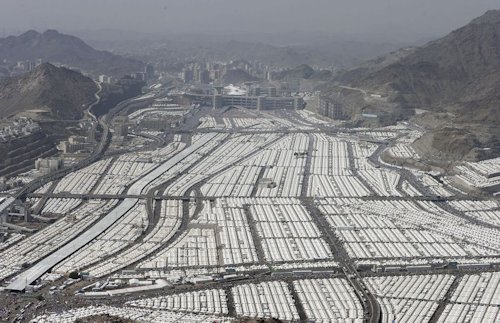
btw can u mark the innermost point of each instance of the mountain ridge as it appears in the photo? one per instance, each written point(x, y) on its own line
point(456, 76)
point(55, 47)
point(447, 71)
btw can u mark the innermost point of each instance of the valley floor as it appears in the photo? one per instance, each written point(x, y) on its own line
point(243, 214)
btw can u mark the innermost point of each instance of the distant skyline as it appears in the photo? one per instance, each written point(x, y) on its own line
point(377, 20)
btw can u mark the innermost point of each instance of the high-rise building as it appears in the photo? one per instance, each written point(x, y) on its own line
point(272, 92)
point(105, 79)
point(120, 126)
point(331, 108)
point(29, 65)
point(187, 75)
point(204, 76)
point(197, 74)
point(149, 71)
point(215, 75)
point(48, 165)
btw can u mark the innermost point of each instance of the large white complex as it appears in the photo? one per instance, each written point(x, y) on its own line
point(263, 215)
point(326, 300)
point(211, 301)
point(409, 299)
point(265, 300)
point(476, 299)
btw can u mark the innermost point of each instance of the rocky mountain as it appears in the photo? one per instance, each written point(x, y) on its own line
point(457, 77)
point(52, 46)
point(303, 71)
point(462, 69)
point(61, 92)
point(374, 65)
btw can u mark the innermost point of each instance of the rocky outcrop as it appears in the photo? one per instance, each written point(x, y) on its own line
point(61, 92)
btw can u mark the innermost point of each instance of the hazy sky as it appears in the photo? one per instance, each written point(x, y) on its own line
point(381, 19)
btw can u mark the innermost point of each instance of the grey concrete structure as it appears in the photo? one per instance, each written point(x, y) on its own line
point(258, 102)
